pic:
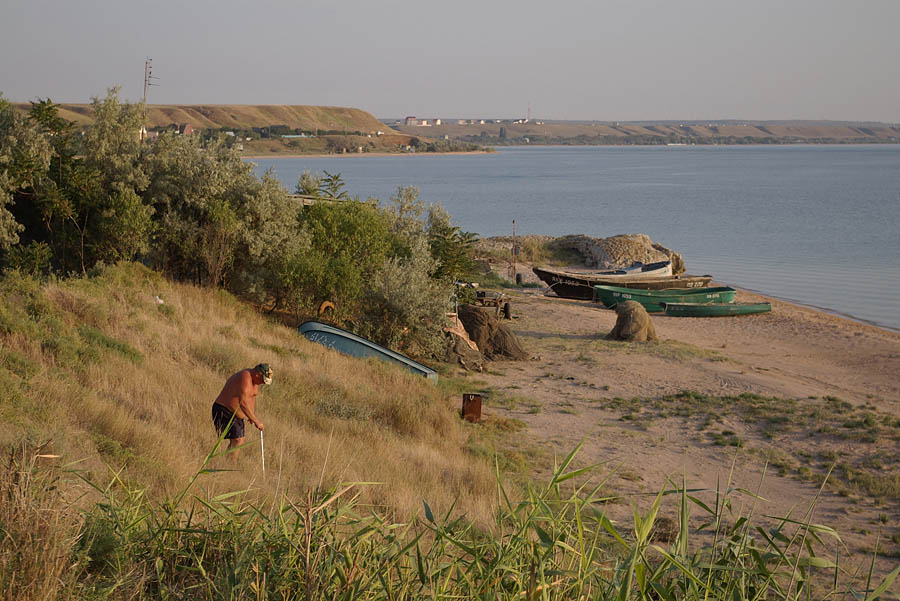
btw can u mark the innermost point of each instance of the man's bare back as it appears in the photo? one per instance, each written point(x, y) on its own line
point(237, 402)
point(239, 396)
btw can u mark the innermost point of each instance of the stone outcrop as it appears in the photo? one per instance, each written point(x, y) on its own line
point(619, 251)
point(632, 324)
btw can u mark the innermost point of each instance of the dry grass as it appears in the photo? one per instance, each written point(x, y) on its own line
point(114, 379)
point(39, 530)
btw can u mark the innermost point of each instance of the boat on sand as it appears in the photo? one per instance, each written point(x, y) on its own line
point(654, 301)
point(579, 285)
point(715, 309)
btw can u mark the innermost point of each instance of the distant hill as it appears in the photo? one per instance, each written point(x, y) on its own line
point(660, 132)
point(243, 116)
point(325, 129)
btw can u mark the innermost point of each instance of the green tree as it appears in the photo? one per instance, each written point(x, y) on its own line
point(405, 307)
point(112, 145)
point(332, 186)
point(197, 193)
point(86, 205)
point(24, 158)
point(452, 248)
point(347, 244)
point(309, 184)
point(262, 269)
point(217, 223)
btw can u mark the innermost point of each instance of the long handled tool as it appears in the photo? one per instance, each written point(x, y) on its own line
point(262, 448)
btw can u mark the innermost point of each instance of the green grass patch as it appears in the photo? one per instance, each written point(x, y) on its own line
point(515, 402)
point(18, 364)
point(671, 350)
point(95, 338)
point(281, 351)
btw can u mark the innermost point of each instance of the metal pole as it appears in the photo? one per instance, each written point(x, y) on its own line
point(147, 64)
point(515, 251)
point(262, 448)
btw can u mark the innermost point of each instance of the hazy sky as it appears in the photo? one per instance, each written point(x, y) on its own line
point(604, 60)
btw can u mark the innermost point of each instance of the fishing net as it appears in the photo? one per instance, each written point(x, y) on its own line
point(494, 340)
point(632, 324)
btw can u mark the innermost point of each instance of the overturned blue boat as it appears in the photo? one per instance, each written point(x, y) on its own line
point(356, 346)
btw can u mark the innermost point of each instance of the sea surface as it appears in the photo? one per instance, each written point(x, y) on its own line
point(816, 225)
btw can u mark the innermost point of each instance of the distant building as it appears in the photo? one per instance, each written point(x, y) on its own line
point(186, 129)
point(462, 122)
point(437, 121)
point(412, 121)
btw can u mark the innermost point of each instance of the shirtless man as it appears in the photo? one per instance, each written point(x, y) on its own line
point(238, 398)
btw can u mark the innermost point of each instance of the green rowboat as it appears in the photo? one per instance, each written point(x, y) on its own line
point(715, 309)
point(654, 300)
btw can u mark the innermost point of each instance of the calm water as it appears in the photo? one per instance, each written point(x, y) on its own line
point(818, 225)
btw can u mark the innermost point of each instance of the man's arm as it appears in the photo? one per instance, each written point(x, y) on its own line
point(247, 401)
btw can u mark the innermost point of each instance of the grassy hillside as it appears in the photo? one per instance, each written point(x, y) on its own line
point(350, 130)
point(242, 116)
point(113, 378)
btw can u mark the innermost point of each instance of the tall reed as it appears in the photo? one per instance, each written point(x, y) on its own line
point(550, 544)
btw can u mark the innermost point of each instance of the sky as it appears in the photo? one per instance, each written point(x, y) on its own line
point(582, 60)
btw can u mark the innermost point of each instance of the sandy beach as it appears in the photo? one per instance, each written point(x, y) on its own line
point(820, 392)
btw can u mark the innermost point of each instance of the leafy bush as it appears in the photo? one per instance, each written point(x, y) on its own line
point(196, 212)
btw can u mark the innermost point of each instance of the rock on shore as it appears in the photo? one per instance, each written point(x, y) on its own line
point(619, 251)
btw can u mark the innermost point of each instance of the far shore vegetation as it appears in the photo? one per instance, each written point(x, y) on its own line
point(137, 275)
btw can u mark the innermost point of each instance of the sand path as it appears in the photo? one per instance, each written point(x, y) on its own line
point(565, 394)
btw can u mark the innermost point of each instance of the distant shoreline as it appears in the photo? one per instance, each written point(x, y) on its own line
point(494, 149)
point(362, 154)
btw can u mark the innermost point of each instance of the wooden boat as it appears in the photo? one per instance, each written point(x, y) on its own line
point(653, 300)
point(659, 269)
point(356, 346)
point(715, 309)
point(581, 285)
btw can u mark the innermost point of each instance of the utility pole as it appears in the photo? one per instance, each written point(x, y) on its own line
point(513, 269)
point(148, 81)
point(148, 77)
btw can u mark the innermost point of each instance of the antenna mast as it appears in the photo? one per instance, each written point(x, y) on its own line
point(148, 77)
point(148, 81)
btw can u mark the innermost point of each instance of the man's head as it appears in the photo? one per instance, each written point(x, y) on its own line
point(265, 372)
